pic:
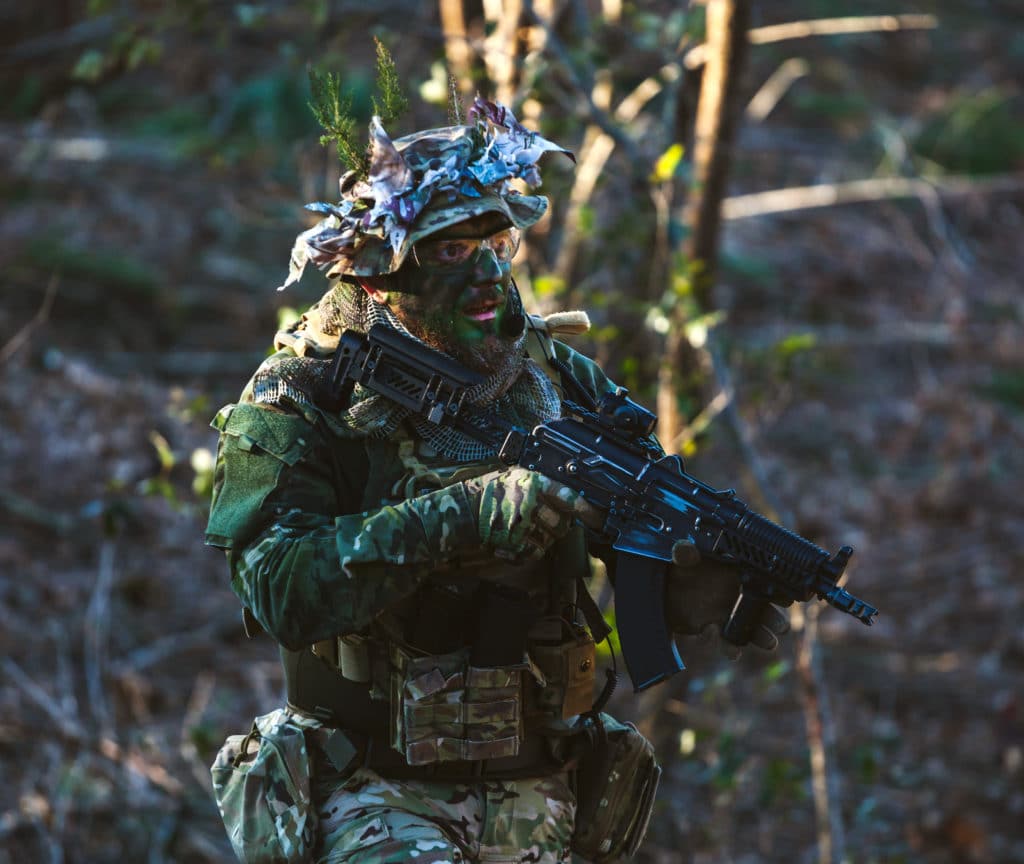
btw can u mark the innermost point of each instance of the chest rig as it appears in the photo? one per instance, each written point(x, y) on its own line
point(473, 672)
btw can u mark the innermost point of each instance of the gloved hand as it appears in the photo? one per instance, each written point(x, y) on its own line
point(522, 513)
point(701, 595)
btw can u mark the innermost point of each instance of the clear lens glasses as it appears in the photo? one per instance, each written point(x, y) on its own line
point(453, 251)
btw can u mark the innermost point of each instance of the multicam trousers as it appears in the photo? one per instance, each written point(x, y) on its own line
point(370, 820)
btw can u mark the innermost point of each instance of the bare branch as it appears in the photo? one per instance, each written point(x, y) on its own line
point(97, 629)
point(772, 91)
point(456, 41)
point(15, 343)
point(68, 727)
point(697, 56)
point(859, 191)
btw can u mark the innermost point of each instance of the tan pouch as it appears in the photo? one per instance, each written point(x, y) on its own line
point(567, 689)
point(616, 781)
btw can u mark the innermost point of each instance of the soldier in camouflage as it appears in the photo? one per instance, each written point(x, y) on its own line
point(425, 599)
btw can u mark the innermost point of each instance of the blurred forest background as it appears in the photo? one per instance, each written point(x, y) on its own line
point(797, 228)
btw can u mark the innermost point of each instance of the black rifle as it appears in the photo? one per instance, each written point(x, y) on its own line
point(649, 501)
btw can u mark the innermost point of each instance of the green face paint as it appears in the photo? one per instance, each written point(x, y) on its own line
point(458, 308)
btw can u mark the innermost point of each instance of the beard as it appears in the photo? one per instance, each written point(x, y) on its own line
point(431, 307)
point(487, 356)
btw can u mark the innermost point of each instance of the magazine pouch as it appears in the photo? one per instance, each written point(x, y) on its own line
point(616, 780)
point(261, 784)
point(443, 708)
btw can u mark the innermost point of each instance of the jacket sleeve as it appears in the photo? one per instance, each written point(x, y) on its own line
point(304, 560)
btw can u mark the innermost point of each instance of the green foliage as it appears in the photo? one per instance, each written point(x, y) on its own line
point(207, 738)
point(868, 759)
point(286, 316)
point(748, 267)
point(629, 373)
point(393, 101)
point(114, 270)
point(318, 12)
point(257, 117)
point(1006, 387)
point(90, 66)
point(729, 762)
point(585, 221)
point(456, 112)
point(251, 15)
point(26, 98)
point(127, 50)
point(829, 107)
point(784, 356)
point(333, 110)
point(548, 285)
point(975, 133)
point(160, 483)
point(776, 671)
point(794, 344)
point(783, 779)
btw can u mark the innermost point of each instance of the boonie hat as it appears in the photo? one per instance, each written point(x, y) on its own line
point(420, 184)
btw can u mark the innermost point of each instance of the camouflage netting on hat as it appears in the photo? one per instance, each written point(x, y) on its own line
point(420, 184)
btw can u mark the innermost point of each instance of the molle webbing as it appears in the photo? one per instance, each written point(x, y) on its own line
point(317, 690)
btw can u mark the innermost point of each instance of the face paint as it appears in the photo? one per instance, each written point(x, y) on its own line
point(458, 309)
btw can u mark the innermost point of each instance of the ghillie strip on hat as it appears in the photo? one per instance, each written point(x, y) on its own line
point(421, 183)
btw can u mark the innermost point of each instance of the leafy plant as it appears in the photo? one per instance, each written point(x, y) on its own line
point(1006, 387)
point(333, 110)
point(975, 133)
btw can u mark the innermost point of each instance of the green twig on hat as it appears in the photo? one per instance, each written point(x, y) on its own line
point(333, 110)
point(393, 102)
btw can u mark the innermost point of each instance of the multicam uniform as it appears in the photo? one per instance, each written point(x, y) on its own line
point(411, 652)
point(440, 675)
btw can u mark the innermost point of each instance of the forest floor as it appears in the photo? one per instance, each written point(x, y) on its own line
point(876, 376)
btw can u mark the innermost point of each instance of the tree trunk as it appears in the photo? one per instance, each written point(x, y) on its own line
point(683, 365)
point(503, 47)
point(457, 51)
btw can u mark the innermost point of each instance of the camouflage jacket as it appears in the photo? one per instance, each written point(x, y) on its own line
point(310, 518)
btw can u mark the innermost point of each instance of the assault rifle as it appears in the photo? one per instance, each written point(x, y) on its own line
point(606, 453)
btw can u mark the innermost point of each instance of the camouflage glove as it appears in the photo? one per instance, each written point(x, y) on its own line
point(522, 513)
point(701, 596)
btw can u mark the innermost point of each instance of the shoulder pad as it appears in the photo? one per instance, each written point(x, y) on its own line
point(284, 436)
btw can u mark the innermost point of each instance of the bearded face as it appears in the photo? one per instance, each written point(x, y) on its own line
point(453, 292)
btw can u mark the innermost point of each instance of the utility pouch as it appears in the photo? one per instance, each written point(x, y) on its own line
point(567, 672)
point(444, 709)
point(616, 780)
point(261, 784)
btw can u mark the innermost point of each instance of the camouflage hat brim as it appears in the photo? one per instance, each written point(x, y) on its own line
point(420, 184)
point(376, 257)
